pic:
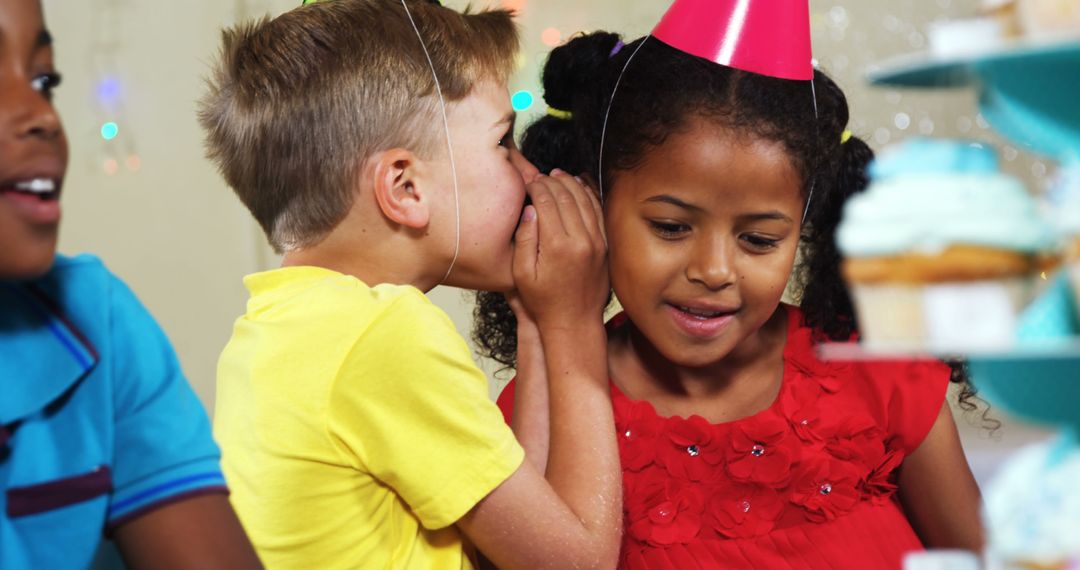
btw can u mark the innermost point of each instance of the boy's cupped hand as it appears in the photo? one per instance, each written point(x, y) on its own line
point(560, 252)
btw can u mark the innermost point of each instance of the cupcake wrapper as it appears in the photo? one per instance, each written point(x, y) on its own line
point(976, 315)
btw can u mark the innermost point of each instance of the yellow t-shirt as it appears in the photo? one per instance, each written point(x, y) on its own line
point(355, 427)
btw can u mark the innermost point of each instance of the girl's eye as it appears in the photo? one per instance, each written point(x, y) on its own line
point(759, 243)
point(45, 83)
point(669, 230)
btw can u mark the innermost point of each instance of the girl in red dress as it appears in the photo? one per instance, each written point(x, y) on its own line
point(739, 447)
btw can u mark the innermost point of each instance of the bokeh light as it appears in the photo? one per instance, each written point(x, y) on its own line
point(108, 91)
point(111, 166)
point(551, 37)
point(109, 131)
point(522, 100)
point(514, 5)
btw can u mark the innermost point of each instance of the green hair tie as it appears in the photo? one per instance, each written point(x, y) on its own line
point(559, 113)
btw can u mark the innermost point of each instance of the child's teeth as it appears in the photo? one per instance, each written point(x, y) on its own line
point(697, 313)
point(37, 185)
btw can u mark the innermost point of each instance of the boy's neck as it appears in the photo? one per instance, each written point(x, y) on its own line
point(388, 261)
point(367, 245)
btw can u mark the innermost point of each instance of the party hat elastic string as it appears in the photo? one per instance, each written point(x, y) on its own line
point(449, 144)
point(813, 182)
point(607, 113)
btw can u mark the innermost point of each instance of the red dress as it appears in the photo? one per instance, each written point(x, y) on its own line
point(810, 482)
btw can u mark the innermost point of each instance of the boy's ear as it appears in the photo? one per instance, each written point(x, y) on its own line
point(397, 188)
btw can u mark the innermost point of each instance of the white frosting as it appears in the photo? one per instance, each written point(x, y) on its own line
point(958, 38)
point(1032, 509)
point(1065, 199)
point(929, 212)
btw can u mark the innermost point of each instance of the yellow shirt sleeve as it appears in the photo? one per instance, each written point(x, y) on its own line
point(411, 408)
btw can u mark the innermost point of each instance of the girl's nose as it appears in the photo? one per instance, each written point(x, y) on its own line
point(711, 264)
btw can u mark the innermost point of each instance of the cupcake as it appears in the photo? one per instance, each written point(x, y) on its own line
point(1049, 18)
point(1064, 199)
point(942, 250)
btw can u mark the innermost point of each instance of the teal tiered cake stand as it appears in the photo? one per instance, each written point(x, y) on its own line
point(1030, 93)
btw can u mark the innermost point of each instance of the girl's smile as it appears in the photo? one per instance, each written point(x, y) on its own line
point(697, 320)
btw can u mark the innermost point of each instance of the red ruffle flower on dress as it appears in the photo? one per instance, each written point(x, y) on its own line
point(857, 440)
point(760, 450)
point(690, 448)
point(827, 374)
point(826, 488)
point(880, 483)
point(740, 510)
point(661, 511)
point(638, 429)
point(799, 405)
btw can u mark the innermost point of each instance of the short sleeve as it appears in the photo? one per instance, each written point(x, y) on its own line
point(164, 451)
point(411, 408)
point(916, 392)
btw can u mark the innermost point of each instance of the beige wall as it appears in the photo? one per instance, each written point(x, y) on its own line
point(171, 230)
point(174, 232)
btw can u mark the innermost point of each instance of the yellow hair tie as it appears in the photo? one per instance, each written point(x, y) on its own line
point(845, 137)
point(560, 114)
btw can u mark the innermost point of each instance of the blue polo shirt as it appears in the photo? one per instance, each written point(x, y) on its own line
point(97, 422)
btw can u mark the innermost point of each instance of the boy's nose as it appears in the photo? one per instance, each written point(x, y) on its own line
point(526, 168)
point(29, 113)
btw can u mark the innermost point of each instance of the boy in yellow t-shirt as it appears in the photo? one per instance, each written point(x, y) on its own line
point(356, 430)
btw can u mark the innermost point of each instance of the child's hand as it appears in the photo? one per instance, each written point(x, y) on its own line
point(565, 424)
point(560, 255)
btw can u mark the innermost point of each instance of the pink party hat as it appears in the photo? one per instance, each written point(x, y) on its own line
point(768, 37)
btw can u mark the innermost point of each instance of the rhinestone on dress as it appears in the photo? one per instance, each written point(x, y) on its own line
point(746, 506)
point(758, 450)
point(826, 489)
point(693, 450)
point(626, 433)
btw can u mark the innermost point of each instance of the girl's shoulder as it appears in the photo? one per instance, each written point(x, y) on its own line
point(803, 350)
point(903, 395)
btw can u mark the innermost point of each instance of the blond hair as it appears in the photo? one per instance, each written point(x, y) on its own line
point(296, 104)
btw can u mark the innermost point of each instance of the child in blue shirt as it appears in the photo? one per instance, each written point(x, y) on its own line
point(99, 430)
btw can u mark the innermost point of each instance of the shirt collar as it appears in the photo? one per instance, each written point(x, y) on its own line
point(42, 353)
point(269, 287)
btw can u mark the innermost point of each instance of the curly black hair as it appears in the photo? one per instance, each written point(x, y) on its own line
point(659, 94)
